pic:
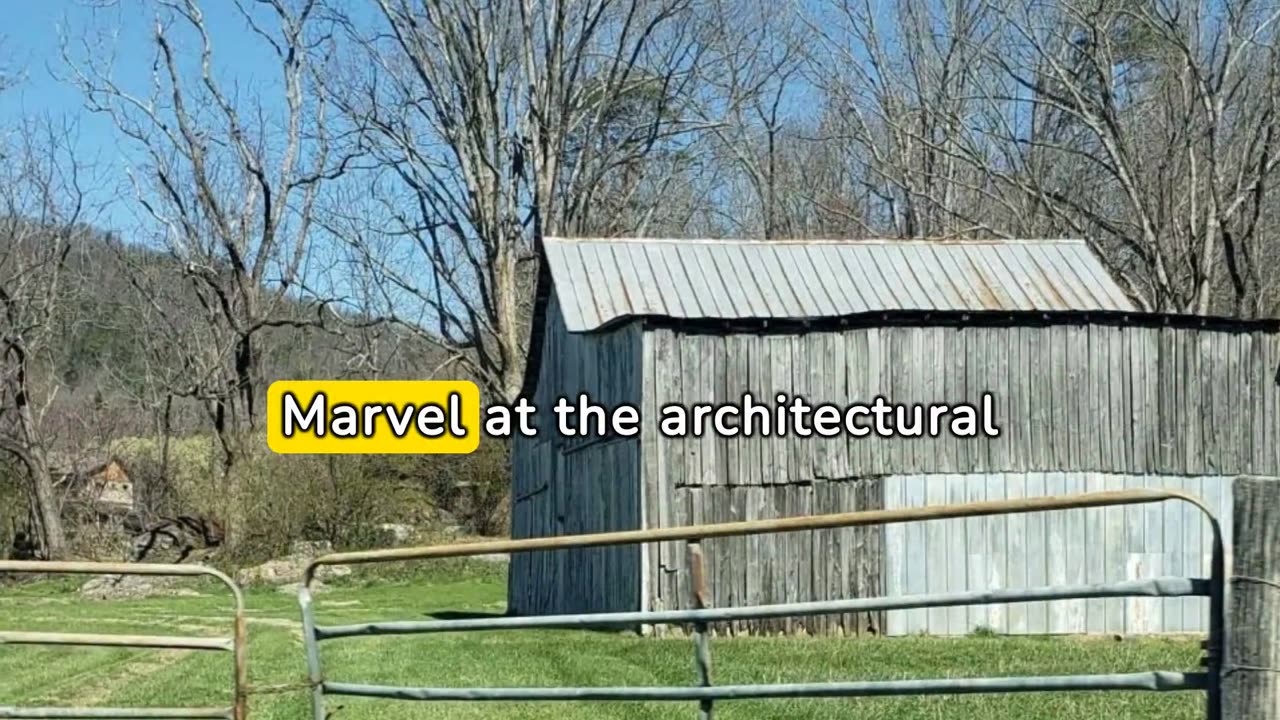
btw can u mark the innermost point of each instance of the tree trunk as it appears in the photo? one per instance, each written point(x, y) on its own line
point(29, 449)
point(49, 533)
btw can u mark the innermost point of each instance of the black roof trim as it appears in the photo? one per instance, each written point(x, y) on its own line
point(951, 318)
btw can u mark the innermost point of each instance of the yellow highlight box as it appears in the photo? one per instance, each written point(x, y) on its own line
point(373, 417)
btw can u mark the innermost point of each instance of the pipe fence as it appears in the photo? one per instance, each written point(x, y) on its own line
point(234, 644)
point(704, 692)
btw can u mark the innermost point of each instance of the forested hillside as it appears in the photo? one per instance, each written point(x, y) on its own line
point(105, 354)
point(104, 384)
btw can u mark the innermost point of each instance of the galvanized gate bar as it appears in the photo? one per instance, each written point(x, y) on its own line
point(1158, 681)
point(236, 644)
point(34, 713)
point(311, 646)
point(756, 527)
point(177, 642)
point(1168, 587)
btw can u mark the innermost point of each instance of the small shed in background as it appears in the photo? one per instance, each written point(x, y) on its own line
point(103, 489)
point(1089, 395)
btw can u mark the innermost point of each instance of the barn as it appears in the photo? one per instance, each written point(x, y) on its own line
point(1087, 394)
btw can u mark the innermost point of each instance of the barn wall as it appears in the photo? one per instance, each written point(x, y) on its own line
point(1084, 398)
point(1070, 547)
point(1081, 399)
point(564, 486)
point(764, 568)
point(775, 568)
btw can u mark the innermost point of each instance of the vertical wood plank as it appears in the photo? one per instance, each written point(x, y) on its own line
point(996, 551)
point(957, 547)
point(976, 572)
point(1016, 555)
point(1037, 555)
point(1059, 546)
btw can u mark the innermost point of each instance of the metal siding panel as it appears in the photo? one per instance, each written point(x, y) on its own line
point(807, 259)
point(918, 550)
point(1065, 280)
point(989, 276)
point(976, 574)
point(1096, 288)
point(866, 280)
point(636, 259)
point(1101, 545)
point(602, 280)
point(805, 302)
point(997, 549)
point(836, 279)
point(895, 287)
point(1020, 264)
point(904, 259)
point(949, 296)
point(603, 276)
point(714, 296)
point(577, 306)
point(957, 570)
point(734, 282)
point(751, 281)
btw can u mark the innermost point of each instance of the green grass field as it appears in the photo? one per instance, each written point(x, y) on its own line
point(79, 676)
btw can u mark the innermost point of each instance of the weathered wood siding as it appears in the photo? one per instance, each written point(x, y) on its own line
point(1068, 399)
point(1128, 400)
point(564, 486)
point(1071, 547)
point(711, 479)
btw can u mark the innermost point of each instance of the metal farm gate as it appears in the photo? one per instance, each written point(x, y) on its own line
point(235, 644)
point(704, 692)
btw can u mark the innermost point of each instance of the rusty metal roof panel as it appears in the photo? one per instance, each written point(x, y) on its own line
point(600, 281)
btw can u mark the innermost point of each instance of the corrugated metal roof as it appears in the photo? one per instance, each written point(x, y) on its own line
point(598, 281)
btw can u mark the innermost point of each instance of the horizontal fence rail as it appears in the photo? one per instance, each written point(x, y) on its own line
point(234, 644)
point(1169, 587)
point(706, 693)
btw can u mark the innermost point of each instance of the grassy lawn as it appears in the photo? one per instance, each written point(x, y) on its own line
point(58, 676)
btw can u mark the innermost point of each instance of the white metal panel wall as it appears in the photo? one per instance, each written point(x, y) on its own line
point(1050, 548)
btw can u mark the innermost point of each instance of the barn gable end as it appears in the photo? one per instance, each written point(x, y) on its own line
point(564, 486)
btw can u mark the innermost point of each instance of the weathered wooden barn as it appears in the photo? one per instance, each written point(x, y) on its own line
point(1088, 394)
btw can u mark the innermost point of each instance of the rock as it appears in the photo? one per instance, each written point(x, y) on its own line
point(292, 588)
point(395, 533)
point(284, 571)
point(310, 548)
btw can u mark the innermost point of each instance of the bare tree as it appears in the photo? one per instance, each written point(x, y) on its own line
point(230, 188)
point(750, 82)
point(493, 125)
point(41, 200)
point(1147, 128)
point(900, 86)
point(1163, 117)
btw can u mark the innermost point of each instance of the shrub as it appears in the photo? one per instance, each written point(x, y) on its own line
point(340, 500)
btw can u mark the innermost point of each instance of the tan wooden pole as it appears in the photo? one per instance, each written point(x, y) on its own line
point(1251, 671)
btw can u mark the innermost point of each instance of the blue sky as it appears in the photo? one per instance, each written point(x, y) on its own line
point(31, 36)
